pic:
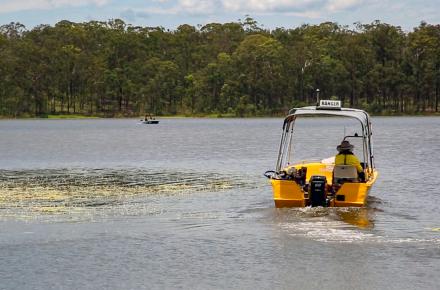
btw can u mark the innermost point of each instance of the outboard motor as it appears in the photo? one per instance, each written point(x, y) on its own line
point(318, 190)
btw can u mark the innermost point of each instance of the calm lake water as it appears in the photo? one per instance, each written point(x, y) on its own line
point(113, 204)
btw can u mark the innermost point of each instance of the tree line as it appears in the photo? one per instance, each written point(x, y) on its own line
point(238, 69)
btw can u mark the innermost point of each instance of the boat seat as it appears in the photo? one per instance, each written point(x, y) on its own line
point(345, 173)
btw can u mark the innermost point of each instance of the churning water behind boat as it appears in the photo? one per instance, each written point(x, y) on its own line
point(87, 204)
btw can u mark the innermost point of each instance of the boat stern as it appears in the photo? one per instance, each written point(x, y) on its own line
point(287, 193)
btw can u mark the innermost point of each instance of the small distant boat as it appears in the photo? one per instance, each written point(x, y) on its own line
point(150, 122)
point(149, 119)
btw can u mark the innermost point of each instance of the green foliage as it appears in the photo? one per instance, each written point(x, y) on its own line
point(221, 70)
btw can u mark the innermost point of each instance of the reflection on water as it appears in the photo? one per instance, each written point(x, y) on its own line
point(328, 224)
point(30, 193)
point(361, 218)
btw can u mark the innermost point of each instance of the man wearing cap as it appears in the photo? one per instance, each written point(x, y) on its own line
point(346, 157)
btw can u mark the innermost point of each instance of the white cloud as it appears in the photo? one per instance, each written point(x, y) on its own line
point(188, 7)
point(7, 6)
point(304, 8)
point(312, 8)
point(338, 5)
point(268, 5)
point(197, 6)
point(290, 6)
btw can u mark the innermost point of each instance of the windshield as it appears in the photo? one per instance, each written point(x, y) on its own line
point(316, 138)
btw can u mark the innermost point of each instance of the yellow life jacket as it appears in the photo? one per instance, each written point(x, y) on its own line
point(348, 159)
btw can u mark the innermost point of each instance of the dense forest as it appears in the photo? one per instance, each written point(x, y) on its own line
point(231, 69)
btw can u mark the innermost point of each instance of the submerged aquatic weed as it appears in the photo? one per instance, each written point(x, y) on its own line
point(31, 193)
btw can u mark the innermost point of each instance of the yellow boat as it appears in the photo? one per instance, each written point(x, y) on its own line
point(321, 183)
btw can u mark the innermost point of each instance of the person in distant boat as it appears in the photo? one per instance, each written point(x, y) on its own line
point(347, 157)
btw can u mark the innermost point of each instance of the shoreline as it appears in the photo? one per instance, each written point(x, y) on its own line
point(195, 116)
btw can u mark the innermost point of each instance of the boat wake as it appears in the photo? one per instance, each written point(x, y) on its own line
point(340, 225)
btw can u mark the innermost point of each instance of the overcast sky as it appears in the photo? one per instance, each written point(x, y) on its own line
point(269, 13)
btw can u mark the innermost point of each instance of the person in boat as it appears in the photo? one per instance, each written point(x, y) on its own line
point(347, 157)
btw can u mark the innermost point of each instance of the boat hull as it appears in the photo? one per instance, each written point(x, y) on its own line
point(287, 193)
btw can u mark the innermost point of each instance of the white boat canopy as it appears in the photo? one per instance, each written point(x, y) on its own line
point(317, 111)
point(360, 115)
